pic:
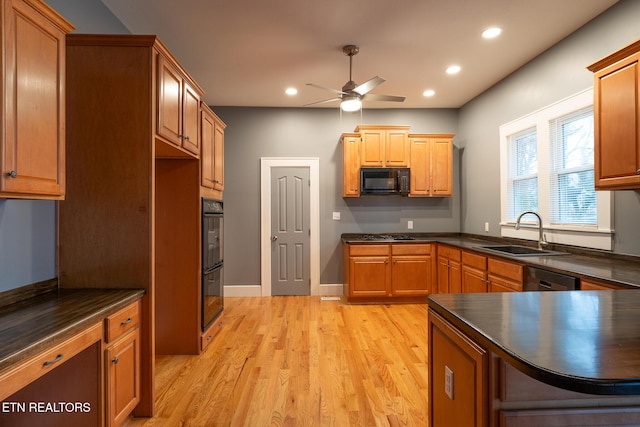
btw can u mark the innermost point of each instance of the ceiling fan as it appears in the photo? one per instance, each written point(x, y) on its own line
point(352, 94)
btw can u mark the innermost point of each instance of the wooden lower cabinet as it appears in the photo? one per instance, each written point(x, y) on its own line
point(449, 271)
point(122, 364)
point(387, 272)
point(504, 276)
point(458, 377)
point(591, 285)
point(474, 272)
point(472, 386)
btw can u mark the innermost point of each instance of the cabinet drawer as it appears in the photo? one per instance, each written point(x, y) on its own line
point(474, 260)
point(410, 249)
point(505, 269)
point(18, 377)
point(357, 250)
point(449, 252)
point(122, 321)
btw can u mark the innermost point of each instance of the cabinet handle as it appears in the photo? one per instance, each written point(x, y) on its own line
point(56, 360)
point(115, 360)
point(14, 174)
point(126, 322)
point(638, 172)
point(187, 137)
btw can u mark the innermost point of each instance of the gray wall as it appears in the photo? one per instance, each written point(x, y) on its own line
point(253, 133)
point(554, 75)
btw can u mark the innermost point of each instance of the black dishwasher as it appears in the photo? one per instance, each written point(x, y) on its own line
point(544, 280)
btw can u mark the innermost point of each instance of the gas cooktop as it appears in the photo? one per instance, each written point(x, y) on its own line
point(385, 237)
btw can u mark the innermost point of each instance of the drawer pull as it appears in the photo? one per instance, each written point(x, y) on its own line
point(56, 360)
point(115, 360)
point(126, 322)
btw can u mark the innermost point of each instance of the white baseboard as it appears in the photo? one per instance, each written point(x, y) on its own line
point(328, 289)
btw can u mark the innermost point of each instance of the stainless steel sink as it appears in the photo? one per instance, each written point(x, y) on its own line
point(520, 251)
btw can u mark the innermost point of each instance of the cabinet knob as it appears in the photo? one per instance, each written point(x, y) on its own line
point(14, 174)
point(115, 360)
point(638, 171)
point(187, 137)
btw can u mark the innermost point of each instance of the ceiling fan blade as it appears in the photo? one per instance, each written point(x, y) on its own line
point(368, 85)
point(322, 102)
point(376, 97)
point(325, 88)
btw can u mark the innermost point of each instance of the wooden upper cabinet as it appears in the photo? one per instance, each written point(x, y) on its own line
point(431, 165)
point(178, 107)
point(33, 73)
point(384, 146)
point(617, 119)
point(212, 155)
point(350, 165)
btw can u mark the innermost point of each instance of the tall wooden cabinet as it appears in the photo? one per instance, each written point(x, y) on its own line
point(431, 165)
point(132, 215)
point(33, 109)
point(617, 119)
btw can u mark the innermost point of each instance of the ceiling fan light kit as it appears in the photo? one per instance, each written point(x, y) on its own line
point(352, 95)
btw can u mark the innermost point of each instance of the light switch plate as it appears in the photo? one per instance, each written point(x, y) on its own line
point(410, 225)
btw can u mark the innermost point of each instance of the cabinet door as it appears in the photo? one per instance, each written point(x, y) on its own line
point(410, 275)
point(443, 275)
point(441, 167)
point(458, 377)
point(369, 276)
point(617, 127)
point(123, 377)
point(589, 285)
point(34, 102)
point(455, 277)
point(191, 120)
point(218, 157)
point(169, 102)
point(351, 166)
point(420, 153)
point(207, 141)
point(372, 148)
point(473, 280)
point(396, 149)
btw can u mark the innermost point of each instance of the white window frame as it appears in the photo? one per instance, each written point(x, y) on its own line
point(598, 237)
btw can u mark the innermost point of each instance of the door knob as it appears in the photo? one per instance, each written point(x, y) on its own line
point(274, 238)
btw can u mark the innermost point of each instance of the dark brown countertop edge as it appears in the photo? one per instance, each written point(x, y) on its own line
point(595, 386)
point(605, 266)
point(22, 321)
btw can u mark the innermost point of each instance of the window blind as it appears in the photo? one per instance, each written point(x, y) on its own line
point(522, 189)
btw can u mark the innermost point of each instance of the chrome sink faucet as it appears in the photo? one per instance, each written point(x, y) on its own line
point(541, 240)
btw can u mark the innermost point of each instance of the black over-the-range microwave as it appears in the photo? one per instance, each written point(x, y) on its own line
point(384, 181)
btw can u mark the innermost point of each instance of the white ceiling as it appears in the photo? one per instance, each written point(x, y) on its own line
point(247, 52)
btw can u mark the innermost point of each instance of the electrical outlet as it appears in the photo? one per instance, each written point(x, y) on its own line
point(336, 216)
point(448, 382)
point(410, 225)
point(486, 227)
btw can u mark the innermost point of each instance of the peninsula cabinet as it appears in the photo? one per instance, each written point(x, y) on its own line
point(33, 109)
point(431, 165)
point(384, 146)
point(350, 164)
point(387, 272)
point(449, 272)
point(178, 107)
point(617, 119)
point(212, 155)
point(132, 216)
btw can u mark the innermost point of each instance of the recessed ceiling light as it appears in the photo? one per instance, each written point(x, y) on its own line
point(291, 91)
point(453, 69)
point(491, 33)
point(429, 92)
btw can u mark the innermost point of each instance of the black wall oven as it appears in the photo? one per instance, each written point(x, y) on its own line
point(212, 261)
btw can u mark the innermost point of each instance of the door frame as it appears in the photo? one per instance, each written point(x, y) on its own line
point(266, 164)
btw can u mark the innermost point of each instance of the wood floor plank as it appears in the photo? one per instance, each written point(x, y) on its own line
point(300, 361)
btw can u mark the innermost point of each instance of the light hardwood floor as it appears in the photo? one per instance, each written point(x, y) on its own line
point(300, 361)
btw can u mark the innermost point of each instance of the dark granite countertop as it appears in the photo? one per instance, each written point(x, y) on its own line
point(599, 265)
point(587, 342)
point(32, 325)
